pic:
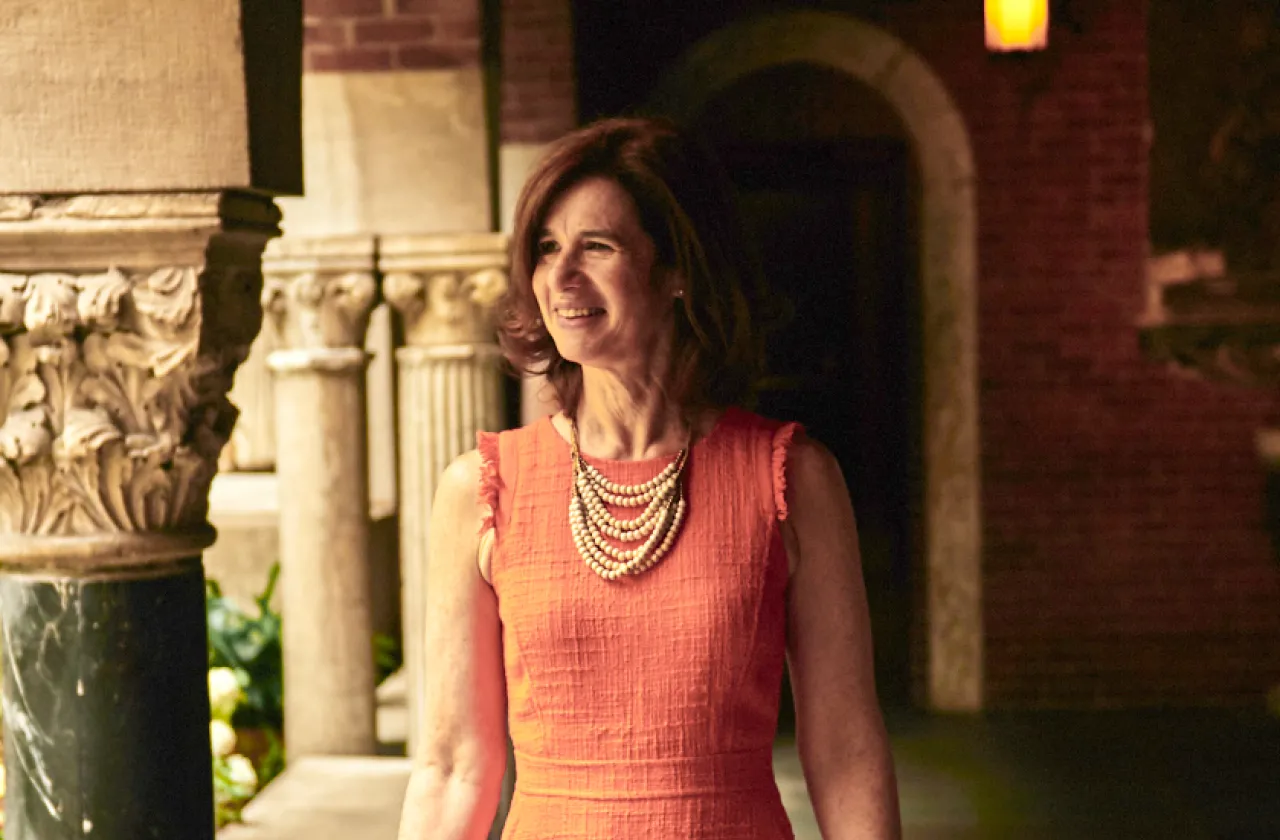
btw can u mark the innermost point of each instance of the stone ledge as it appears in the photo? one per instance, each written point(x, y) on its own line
point(253, 498)
point(328, 798)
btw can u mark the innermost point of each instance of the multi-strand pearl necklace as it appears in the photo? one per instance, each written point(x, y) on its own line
point(593, 524)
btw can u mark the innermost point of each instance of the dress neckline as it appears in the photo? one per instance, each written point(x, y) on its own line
point(627, 462)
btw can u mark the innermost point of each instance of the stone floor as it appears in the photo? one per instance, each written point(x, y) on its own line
point(1188, 775)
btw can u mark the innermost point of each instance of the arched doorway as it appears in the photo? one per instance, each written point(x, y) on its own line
point(823, 175)
point(950, 537)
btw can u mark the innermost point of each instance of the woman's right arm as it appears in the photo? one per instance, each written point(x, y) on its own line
point(457, 776)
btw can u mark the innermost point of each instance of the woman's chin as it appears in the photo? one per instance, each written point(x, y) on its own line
point(576, 347)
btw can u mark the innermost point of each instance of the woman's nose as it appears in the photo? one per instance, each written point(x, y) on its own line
point(564, 270)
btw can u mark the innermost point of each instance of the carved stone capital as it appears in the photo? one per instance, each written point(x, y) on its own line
point(445, 286)
point(1210, 324)
point(319, 293)
point(122, 321)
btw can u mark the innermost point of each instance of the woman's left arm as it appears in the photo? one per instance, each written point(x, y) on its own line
point(840, 731)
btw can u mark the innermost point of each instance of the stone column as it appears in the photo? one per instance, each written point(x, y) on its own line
point(122, 320)
point(140, 140)
point(451, 385)
point(318, 296)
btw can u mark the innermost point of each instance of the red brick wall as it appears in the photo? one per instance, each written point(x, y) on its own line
point(372, 35)
point(1126, 557)
point(537, 71)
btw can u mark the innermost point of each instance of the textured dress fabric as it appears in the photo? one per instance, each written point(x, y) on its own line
point(647, 707)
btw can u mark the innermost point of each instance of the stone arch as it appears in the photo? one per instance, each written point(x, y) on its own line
point(948, 276)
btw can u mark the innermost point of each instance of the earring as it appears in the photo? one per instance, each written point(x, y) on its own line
point(679, 293)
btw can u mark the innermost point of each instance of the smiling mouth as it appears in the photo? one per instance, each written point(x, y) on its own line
point(573, 314)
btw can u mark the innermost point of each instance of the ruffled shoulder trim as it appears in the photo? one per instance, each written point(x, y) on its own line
point(783, 437)
point(490, 481)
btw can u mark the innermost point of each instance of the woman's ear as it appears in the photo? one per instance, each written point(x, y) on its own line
point(671, 283)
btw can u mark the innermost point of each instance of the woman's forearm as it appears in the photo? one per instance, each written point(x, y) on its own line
point(440, 806)
point(856, 799)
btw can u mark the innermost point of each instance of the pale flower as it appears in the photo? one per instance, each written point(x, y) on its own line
point(224, 692)
point(222, 737)
point(241, 773)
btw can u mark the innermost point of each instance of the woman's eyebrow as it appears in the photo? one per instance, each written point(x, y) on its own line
point(602, 233)
point(596, 233)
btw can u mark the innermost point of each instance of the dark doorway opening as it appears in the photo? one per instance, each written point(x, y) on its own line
point(830, 222)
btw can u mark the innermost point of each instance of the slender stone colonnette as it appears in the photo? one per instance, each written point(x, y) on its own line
point(319, 294)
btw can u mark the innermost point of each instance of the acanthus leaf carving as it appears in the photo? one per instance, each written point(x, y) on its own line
point(447, 307)
point(50, 313)
point(25, 436)
point(406, 292)
point(100, 299)
point(320, 308)
point(114, 410)
point(13, 302)
point(168, 305)
point(485, 288)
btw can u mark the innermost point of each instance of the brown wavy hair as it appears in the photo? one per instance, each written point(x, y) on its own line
point(686, 207)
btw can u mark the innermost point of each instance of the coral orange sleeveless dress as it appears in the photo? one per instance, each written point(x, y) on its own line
point(643, 708)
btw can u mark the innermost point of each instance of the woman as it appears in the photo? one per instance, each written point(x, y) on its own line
point(621, 582)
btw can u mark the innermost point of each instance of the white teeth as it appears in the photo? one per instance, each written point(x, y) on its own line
point(579, 313)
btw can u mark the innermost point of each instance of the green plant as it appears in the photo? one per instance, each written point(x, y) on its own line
point(387, 657)
point(250, 646)
point(234, 784)
point(246, 688)
point(235, 779)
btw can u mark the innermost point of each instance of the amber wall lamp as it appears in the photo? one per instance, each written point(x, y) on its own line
point(1017, 26)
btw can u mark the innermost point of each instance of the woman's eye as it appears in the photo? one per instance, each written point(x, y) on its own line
point(546, 246)
point(598, 246)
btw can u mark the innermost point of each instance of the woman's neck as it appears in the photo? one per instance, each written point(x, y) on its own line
point(628, 423)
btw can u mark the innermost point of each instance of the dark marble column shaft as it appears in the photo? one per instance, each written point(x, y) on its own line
point(105, 706)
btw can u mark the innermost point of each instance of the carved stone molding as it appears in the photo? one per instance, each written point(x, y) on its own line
point(1211, 324)
point(1238, 354)
point(318, 295)
point(122, 321)
point(445, 286)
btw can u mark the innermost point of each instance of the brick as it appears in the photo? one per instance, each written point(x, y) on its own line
point(327, 34)
point(397, 30)
point(438, 57)
point(447, 8)
point(351, 59)
point(458, 29)
point(538, 100)
point(342, 8)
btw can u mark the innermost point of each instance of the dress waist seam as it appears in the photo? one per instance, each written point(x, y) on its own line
point(704, 775)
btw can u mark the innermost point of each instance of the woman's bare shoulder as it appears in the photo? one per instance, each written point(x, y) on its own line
point(812, 468)
point(458, 490)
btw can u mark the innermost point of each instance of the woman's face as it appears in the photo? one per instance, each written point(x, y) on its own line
point(594, 280)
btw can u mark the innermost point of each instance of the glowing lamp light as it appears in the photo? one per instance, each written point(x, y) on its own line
point(1017, 25)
